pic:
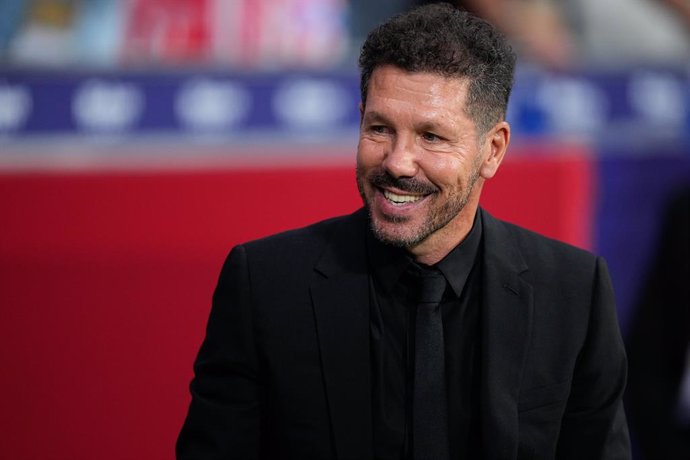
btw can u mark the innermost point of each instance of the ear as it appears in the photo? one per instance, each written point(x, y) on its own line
point(361, 112)
point(494, 149)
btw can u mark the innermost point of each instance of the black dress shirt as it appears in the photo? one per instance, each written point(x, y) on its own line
point(392, 342)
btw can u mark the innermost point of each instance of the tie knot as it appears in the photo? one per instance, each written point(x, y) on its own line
point(430, 284)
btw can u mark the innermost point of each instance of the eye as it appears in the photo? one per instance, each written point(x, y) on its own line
point(378, 129)
point(431, 137)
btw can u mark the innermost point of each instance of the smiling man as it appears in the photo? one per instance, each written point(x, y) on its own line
point(422, 160)
point(419, 327)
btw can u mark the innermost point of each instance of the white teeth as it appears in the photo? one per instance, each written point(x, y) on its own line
point(399, 199)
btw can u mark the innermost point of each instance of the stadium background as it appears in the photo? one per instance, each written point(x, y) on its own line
point(135, 151)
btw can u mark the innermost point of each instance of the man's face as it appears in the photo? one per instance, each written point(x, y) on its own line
point(419, 159)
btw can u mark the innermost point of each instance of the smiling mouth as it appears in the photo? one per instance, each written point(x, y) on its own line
point(396, 198)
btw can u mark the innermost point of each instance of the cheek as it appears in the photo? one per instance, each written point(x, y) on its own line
point(445, 172)
point(369, 154)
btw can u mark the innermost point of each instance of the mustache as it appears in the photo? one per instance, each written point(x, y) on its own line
point(381, 178)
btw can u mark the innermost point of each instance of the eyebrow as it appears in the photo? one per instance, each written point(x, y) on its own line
point(430, 127)
point(374, 116)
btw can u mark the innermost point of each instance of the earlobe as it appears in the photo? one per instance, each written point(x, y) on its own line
point(495, 146)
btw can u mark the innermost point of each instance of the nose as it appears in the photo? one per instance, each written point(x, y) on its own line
point(401, 159)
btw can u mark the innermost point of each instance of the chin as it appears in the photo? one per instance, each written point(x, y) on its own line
point(396, 233)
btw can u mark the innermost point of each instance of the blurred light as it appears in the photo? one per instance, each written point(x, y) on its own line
point(205, 104)
point(311, 103)
point(573, 106)
point(107, 106)
point(15, 106)
point(658, 97)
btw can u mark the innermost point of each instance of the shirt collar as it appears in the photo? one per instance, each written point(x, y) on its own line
point(390, 262)
point(457, 265)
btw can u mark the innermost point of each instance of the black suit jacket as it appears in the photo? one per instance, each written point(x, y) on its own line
point(284, 371)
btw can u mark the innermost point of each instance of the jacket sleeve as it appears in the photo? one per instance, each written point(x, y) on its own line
point(594, 426)
point(224, 415)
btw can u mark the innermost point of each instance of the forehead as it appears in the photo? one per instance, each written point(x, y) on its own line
point(393, 87)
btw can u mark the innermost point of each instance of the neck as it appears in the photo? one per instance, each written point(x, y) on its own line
point(438, 245)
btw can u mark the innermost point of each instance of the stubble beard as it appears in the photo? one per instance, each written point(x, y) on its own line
point(437, 218)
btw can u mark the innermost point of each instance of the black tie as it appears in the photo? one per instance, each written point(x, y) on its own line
point(430, 405)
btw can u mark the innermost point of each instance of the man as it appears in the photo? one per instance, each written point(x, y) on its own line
point(420, 327)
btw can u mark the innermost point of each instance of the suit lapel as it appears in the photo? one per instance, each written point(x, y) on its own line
point(506, 328)
point(340, 295)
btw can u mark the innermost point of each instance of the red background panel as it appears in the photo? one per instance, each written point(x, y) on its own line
point(106, 280)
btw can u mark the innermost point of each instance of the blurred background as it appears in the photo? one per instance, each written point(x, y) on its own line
point(141, 139)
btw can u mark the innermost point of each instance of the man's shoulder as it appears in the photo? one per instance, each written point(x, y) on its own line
point(538, 240)
point(552, 267)
point(537, 247)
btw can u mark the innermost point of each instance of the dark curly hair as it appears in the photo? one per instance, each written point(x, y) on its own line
point(443, 39)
